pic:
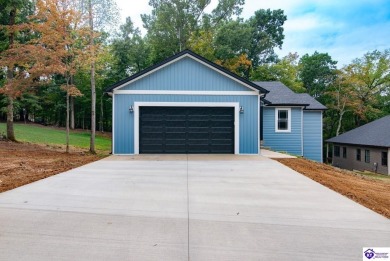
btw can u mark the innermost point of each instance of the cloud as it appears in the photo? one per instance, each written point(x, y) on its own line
point(344, 29)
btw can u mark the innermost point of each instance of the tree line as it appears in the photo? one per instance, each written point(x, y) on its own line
point(57, 56)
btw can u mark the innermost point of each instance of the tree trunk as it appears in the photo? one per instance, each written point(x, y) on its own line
point(101, 114)
point(10, 106)
point(72, 123)
point(339, 123)
point(67, 121)
point(93, 88)
point(10, 119)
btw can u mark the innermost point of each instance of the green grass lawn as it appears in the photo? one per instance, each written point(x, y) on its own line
point(373, 175)
point(34, 133)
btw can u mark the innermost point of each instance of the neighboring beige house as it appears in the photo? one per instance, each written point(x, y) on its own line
point(364, 148)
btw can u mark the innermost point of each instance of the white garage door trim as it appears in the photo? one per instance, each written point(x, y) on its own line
point(236, 106)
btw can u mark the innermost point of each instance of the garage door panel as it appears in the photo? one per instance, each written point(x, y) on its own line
point(186, 130)
point(175, 123)
point(176, 135)
point(175, 142)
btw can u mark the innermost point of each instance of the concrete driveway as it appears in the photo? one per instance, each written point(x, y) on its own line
point(179, 207)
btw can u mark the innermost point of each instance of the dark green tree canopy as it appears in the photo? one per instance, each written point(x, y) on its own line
point(317, 72)
point(129, 50)
point(267, 34)
point(171, 23)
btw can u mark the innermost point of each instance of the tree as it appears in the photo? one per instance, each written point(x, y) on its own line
point(60, 38)
point(14, 12)
point(101, 14)
point(285, 71)
point(130, 51)
point(172, 22)
point(201, 42)
point(343, 98)
point(255, 38)
point(317, 72)
point(369, 77)
point(267, 34)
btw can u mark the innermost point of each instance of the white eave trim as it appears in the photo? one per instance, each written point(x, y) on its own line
point(174, 92)
point(194, 58)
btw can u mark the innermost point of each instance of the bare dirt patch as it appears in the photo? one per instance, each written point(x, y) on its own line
point(23, 163)
point(371, 193)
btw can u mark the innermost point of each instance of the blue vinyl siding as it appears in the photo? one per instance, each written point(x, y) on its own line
point(312, 135)
point(290, 142)
point(186, 74)
point(124, 120)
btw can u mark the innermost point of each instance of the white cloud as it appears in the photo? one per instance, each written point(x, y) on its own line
point(331, 26)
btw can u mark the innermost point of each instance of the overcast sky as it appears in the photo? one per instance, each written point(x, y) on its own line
point(346, 29)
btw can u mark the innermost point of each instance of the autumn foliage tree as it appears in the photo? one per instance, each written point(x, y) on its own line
point(343, 98)
point(14, 64)
point(370, 78)
point(64, 39)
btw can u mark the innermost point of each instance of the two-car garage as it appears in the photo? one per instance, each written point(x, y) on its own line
point(186, 130)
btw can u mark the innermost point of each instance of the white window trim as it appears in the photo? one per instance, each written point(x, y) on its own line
point(288, 119)
point(236, 106)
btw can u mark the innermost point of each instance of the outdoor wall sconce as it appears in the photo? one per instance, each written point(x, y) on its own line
point(131, 109)
point(241, 110)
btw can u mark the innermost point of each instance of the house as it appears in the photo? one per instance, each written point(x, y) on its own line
point(187, 104)
point(364, 148)
point(291, 122)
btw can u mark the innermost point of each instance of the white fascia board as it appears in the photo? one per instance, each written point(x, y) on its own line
point(159, 92)
point(186, 104)
point(178, 59)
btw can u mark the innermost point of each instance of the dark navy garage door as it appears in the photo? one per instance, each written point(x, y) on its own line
point(186, 130)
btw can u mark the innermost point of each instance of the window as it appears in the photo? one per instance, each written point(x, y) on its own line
point(345, 152)
point(384, 158)
point(337, 151)
point(367, 156)
point(358, 155)
point(283, 120)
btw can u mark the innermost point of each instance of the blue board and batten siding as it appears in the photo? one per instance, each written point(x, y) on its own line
point(305, 138)
point(185, 75)
point(290, 142)
point(312, 135)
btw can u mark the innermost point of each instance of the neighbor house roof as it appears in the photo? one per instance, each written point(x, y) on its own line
point(376, 133)
point(179, 56)
point(280, 94)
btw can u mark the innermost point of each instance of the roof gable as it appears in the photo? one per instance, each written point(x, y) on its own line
point(375, 133)
point(187, 78)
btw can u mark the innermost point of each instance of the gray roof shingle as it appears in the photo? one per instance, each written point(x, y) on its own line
point(375, 133)
point(280, 94)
